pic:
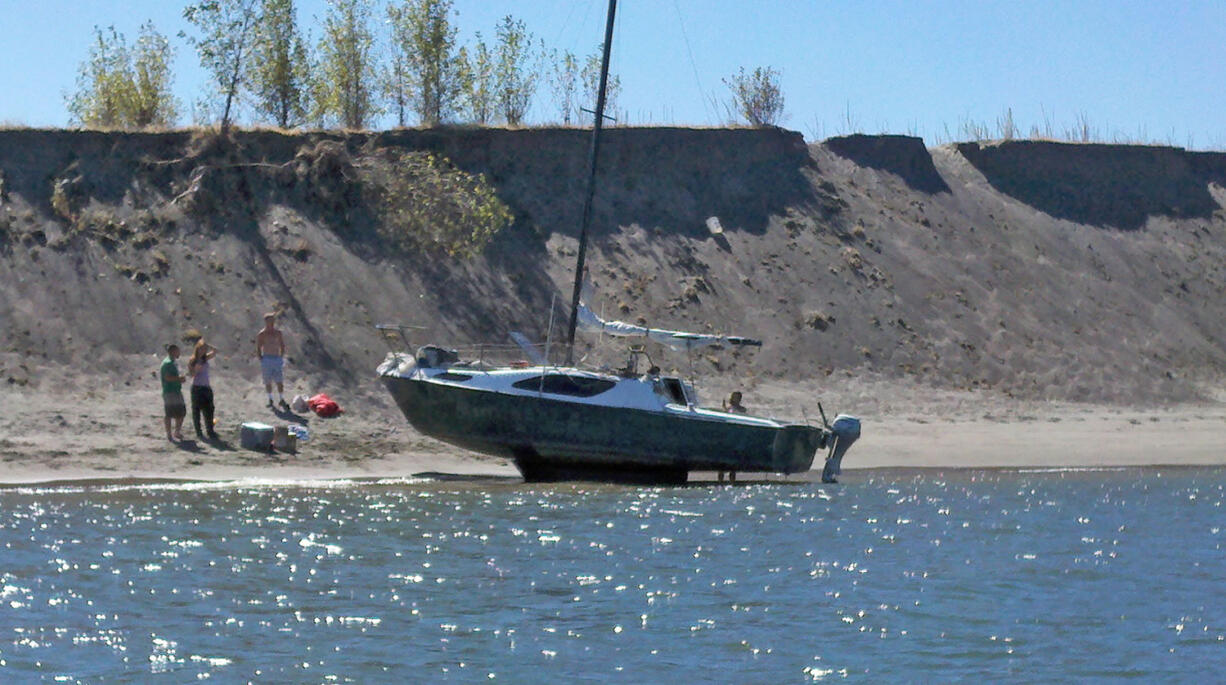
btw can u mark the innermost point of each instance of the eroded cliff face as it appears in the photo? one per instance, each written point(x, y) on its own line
point(1034, 269)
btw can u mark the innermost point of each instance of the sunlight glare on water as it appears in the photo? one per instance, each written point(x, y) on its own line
point(914, 575)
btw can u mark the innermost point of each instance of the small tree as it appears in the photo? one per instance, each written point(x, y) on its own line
point(423, 32)
point(564, 84)
point(151, 102)
point(394, 79)
point(480, 84)
point(121, 87)
point(514, 74)
point(280, 67)
point(102, 82)
point(591, 82)
point(346, 73)
point(224, 44)
point(757, 95)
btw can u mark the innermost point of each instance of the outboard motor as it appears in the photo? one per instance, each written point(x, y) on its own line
point(845, 430)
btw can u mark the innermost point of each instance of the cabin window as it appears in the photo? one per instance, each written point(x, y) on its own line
point(674, 390)
point(562, 384)
point(449, 376)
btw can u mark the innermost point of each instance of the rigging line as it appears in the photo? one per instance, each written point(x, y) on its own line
point(569, 15)
point(693, 65)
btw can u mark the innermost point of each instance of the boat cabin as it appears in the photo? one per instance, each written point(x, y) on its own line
point(676, 391)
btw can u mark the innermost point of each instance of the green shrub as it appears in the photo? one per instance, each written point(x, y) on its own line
point(757, 95)
point(425, 203)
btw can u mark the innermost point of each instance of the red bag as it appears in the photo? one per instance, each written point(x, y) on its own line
point(324, 406)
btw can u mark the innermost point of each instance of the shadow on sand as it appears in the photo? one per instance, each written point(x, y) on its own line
point(286, 415)
point(220, 444)
point(188, 445)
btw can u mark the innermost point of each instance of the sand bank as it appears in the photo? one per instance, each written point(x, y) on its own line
point(114, 436)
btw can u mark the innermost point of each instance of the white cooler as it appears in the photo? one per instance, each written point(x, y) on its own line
point(254, 435)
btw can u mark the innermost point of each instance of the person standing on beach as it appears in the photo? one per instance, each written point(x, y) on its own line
point(270, 349)
point(202, 389)
point(733, 405)
point(172, 393)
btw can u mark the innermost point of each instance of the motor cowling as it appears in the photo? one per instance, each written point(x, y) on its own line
point(843, 432)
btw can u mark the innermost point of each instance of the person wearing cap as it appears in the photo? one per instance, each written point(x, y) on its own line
point(172, 394)
point(270, 349)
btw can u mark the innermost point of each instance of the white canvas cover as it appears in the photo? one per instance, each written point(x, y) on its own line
point(677, 340)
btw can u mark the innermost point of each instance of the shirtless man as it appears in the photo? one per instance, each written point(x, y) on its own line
point(270, 349)
point(733, 405)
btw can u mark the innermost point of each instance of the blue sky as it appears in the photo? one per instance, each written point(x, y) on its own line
point(1136, 71)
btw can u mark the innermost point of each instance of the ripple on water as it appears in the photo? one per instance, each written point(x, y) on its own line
point(893, 573)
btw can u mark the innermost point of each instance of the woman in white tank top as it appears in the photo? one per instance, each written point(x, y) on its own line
point(202, 390)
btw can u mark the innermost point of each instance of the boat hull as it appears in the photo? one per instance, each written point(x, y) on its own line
point(550, 439)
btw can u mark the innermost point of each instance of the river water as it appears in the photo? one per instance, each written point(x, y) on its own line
point(892, 575)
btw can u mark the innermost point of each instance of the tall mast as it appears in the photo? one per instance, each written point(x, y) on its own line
point(591, 184)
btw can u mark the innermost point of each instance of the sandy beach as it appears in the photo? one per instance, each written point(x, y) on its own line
point(966, 308)
point(111, 434)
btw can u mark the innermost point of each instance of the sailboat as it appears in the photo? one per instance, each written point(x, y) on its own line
point(627, 424)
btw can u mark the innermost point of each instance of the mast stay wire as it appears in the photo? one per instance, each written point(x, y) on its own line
point(587, 10)
point(702, 94)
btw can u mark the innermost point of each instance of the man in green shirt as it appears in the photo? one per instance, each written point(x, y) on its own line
point(172, 393)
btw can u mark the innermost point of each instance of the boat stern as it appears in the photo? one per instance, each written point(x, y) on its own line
point(795, 447)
